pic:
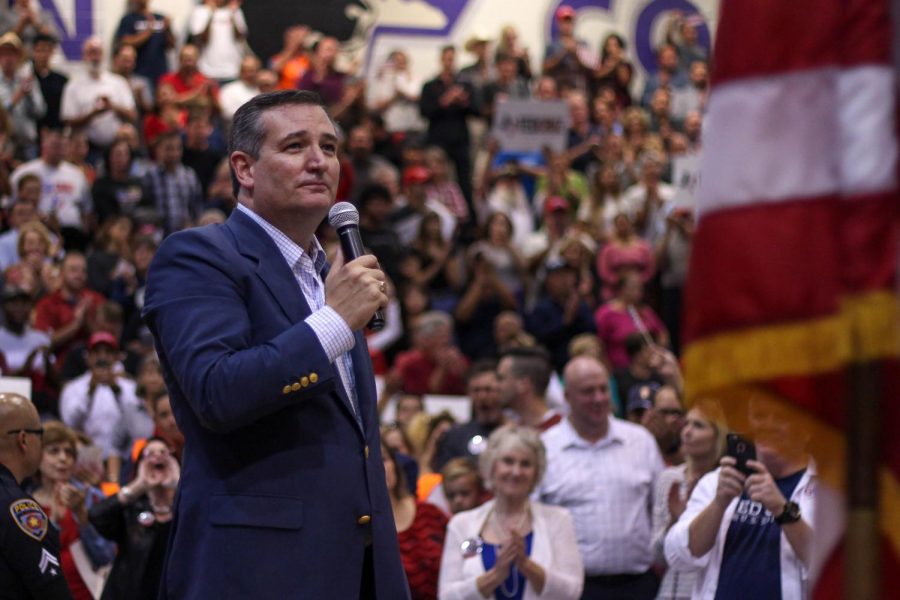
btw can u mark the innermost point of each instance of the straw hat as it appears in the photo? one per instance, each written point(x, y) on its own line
point(474, 40)
point(12, 40)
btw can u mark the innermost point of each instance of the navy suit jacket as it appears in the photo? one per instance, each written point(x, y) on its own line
point(281, 488)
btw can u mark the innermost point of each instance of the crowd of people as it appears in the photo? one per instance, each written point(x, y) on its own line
point(545, 287)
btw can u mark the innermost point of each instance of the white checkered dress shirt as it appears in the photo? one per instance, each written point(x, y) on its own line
point(608, 487)
point(333, 332)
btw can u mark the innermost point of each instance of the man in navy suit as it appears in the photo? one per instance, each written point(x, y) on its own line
point(282, 493)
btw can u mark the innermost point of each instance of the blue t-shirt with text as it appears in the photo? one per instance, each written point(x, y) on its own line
point(151, 55)
point(751, 559)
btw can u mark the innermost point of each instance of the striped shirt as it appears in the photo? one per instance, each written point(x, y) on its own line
point(608, 487)
point(330, 328)
point(177, 196)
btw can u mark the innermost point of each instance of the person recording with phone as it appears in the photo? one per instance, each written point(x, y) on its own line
point(746, 530)
point(283, 490)
point(104, 404)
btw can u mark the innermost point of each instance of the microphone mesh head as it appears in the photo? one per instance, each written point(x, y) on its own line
point(343, 213)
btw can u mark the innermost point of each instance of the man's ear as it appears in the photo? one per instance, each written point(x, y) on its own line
point(242, 165)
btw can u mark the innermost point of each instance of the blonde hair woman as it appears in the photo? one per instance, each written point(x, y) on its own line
point(702, 444)
point(510, 545)
point(34, 271)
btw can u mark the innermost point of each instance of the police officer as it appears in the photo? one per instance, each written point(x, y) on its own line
point(29, 544)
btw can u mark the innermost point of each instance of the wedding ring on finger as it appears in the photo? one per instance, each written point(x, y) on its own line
point(382, 287)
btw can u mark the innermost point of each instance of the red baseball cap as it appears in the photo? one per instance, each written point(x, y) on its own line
point(413, 175)
point(103, 337)
point(556, 204)
point(565, 12)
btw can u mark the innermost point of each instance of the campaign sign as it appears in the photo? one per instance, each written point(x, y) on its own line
point(530, 125)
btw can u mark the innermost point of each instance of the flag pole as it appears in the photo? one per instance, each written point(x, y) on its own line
point(862, 565)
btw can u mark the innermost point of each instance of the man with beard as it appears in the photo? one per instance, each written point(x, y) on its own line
point(522, 376)
point(98, 101)
point(363, 160)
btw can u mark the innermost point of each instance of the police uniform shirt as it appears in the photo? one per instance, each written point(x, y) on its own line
point(29, 546)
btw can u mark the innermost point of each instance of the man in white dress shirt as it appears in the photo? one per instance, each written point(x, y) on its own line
point(234, 94)
point(98, 101)
point(603, 470)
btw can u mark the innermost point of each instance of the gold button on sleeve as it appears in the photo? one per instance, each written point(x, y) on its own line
point(313, 377)
point(304, 381)
point(364, 520)
point(286, 389)
point(295, 387)
point(366, 452)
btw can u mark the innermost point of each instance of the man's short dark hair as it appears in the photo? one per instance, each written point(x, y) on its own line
point(165, 136)
point(144, 241)
point(479, 367)
point(246, 133)
point(375, 119)
point(44, 37)
point(199, 114)
point(72, 254)
point(532, 364)
point(372, 192)
point(111, 311)
point(121, 46)
point(25, 180)
point(634, 343)
point(154, 401)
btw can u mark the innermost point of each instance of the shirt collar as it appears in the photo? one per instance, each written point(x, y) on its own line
point(291, 251)
point(571, 439)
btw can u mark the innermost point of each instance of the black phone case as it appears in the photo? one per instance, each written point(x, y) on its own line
point(742, 450)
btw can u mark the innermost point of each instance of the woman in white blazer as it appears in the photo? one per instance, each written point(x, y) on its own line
point(511, 547)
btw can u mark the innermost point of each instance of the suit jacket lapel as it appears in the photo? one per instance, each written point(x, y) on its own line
point(362, 373)
point(253, 242)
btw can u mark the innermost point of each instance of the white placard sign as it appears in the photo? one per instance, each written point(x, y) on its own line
point(529, 125)
point(16, 385)
point(686, 179)
point(686, 173)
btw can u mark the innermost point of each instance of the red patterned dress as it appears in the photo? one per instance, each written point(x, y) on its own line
point(421, 546)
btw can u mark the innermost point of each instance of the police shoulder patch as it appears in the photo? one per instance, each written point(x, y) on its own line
point(28, 515)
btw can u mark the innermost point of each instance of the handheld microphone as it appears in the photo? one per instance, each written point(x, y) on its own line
point(344, 217)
